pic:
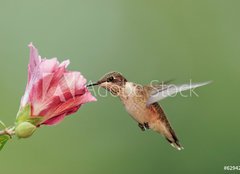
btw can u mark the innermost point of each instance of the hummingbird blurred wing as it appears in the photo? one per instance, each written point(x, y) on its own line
point(160, 92)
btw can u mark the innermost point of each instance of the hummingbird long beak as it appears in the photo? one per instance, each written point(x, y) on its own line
point(93, 84)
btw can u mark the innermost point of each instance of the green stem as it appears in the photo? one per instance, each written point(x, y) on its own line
point(8, 131)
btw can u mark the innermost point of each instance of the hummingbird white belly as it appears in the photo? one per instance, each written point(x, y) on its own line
point(134, 103)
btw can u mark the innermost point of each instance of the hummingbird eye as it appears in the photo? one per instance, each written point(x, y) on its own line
point(110, 79)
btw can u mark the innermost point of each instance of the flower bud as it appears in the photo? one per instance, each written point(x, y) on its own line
point(25, 129)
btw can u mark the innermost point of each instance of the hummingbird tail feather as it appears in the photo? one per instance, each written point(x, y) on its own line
point(177, 146)
point(174, 140)
point(163, 127)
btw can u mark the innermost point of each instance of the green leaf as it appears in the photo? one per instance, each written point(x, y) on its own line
point(2, 124)
point(24, 115)
point(35, 120)
point(3, 140)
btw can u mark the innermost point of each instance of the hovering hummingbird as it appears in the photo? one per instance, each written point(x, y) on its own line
point(141, 102)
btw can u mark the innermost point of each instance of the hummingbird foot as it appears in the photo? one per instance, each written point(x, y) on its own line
point(142, 127)
point(146, 125)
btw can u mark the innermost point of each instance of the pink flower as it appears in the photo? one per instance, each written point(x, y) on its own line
point(52, 92)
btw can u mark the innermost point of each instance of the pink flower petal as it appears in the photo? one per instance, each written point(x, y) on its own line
point(52, 91)
point(48, 66)
point(34, 61)
point(54, 120)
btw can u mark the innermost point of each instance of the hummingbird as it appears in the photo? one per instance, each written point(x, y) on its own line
point(141, 102)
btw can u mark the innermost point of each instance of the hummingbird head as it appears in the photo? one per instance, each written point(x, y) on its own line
point(112, 81)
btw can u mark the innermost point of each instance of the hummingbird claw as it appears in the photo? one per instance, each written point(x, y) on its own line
point(146, 125)
point(141, 126)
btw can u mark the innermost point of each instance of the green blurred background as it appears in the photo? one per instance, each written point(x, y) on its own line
point(145, 40)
